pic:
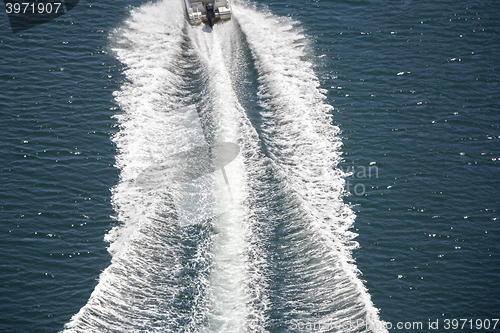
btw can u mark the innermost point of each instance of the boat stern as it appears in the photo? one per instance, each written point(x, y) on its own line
point(223, 7)
point(197, 10)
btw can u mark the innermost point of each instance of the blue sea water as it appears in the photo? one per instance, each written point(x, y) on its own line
point(95, 97)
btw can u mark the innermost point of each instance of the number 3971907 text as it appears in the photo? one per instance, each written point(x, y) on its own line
point(32, 7)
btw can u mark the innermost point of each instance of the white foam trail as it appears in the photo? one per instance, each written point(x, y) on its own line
point(169, 275)
point(297, 129)
point(230, 302)
point(150, 284)
point(150, 274)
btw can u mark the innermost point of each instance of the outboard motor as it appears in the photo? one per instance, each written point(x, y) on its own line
point(210, 14)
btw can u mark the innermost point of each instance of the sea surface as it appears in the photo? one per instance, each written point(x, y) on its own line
point(307, 166)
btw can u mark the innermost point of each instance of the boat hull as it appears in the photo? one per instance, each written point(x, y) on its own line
point(196, 11)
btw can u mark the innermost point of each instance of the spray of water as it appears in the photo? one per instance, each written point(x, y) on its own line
point(265, 247)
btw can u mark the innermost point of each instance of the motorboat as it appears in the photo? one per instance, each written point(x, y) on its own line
point(208, 11)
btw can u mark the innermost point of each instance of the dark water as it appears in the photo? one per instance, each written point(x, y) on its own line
point(56, 165)
point(414, 90)
point(417, 93)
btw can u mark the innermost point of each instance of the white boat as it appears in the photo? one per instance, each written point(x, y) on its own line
point(208, 11)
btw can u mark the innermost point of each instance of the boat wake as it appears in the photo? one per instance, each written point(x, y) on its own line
point(229, 206)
